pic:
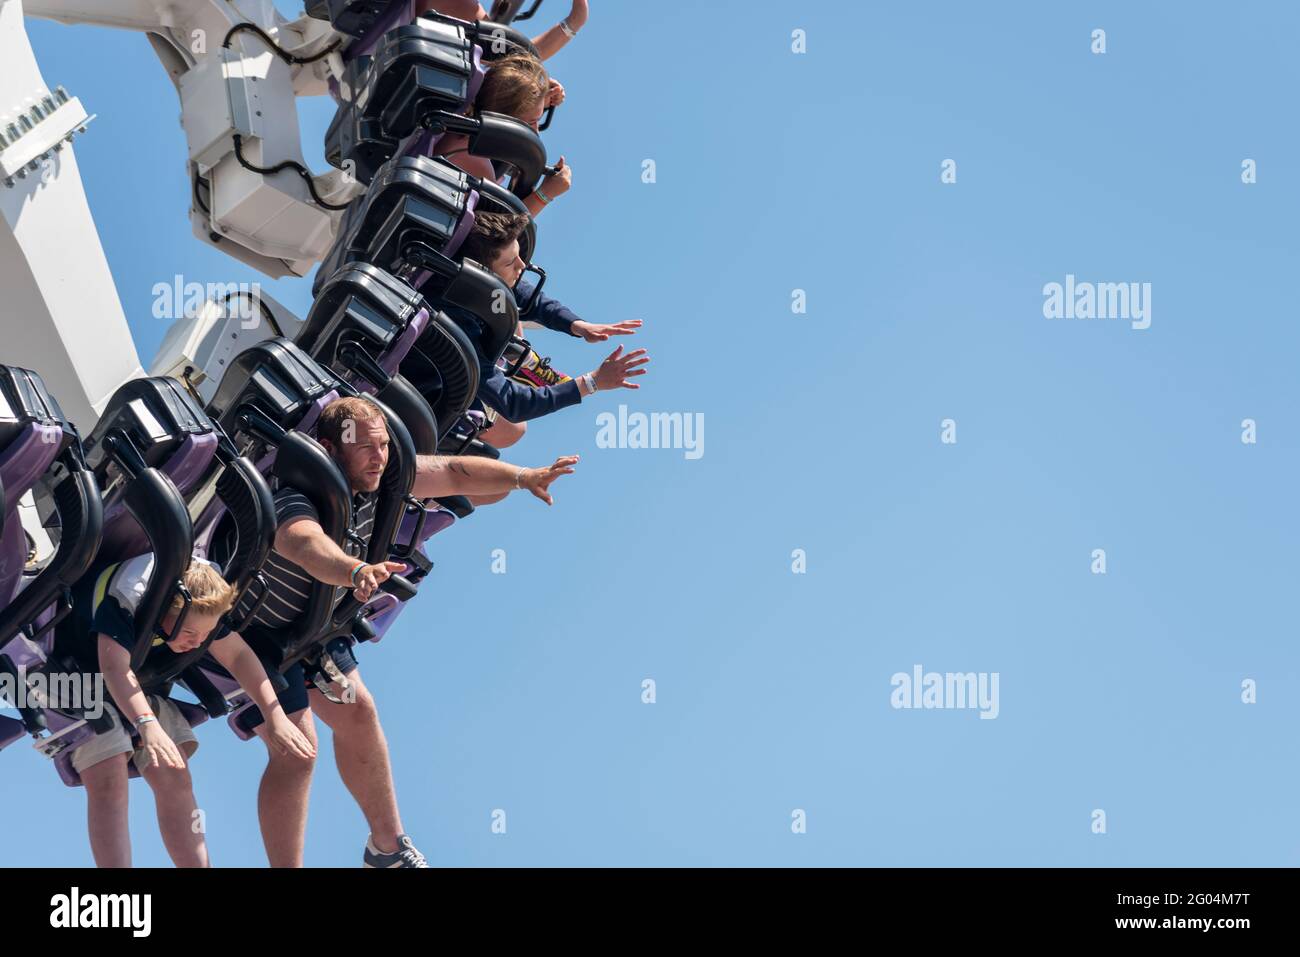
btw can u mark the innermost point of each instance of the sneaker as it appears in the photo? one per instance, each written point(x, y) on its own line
point(405, 856)
point(537, 372)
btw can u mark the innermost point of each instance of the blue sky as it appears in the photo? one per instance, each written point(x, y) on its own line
point(820, 171)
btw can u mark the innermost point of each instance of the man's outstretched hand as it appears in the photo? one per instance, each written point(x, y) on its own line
point(538, 481)
point(371, 577)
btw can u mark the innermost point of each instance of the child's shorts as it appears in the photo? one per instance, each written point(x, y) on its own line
point(117, 740)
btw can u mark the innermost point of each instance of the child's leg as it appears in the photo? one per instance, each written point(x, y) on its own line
point(106, 811)
point(173, 793)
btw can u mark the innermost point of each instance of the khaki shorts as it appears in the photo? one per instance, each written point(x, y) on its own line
point(117, 741)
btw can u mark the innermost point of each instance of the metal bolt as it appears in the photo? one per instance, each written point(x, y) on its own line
point(14, 134)
point(37, 112)
point(61, 94)
point(49, 104)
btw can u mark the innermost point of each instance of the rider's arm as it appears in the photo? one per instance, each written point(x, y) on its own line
point(441, 475)
point(304, 542)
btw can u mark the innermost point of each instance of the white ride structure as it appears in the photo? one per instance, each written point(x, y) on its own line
point(237, 96)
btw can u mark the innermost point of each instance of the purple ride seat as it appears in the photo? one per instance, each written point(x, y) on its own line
point(35, 440)
point(32, 434)
point(148, 424)
point(407, 83)
point(42, 455)
point(172, 434)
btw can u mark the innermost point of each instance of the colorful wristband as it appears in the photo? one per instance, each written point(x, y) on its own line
point(353, 576)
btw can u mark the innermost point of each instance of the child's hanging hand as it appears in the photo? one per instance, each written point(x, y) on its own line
point(160, 749)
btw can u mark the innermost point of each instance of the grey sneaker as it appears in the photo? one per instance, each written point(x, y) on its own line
point(405, 856)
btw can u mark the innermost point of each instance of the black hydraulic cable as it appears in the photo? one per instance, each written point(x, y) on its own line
point(283, 54)
point(287, 164)
point(197, 198)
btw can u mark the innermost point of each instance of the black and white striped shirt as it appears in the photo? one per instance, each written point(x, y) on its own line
point(288, 584)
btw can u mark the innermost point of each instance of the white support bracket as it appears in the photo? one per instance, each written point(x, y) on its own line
point(36, 133)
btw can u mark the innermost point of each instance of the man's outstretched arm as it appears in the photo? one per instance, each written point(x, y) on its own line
point(303, 541)
point(440, 475)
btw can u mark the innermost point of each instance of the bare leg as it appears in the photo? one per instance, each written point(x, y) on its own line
point(106, 811)
point(173, 794)
point(503, 433)
point(361, 753)
point(282, 797)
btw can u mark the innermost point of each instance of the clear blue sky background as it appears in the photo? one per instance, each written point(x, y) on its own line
point(820, 172)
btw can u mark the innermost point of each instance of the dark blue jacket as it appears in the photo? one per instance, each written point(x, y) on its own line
point(551, 313)
point(514, 400)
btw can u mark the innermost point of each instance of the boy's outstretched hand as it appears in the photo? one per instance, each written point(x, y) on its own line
point(593, 332)
point(618, 368)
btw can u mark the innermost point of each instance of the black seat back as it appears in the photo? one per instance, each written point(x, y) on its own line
point(474, 288)
point(361, 306)
point(155, 502)
point(278, 379)
point(250, 514)
point(413, 412)
point(160, 426)
point(443, 367)
point(156, 413)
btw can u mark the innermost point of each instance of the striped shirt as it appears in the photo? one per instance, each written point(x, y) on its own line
point(288, 584)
